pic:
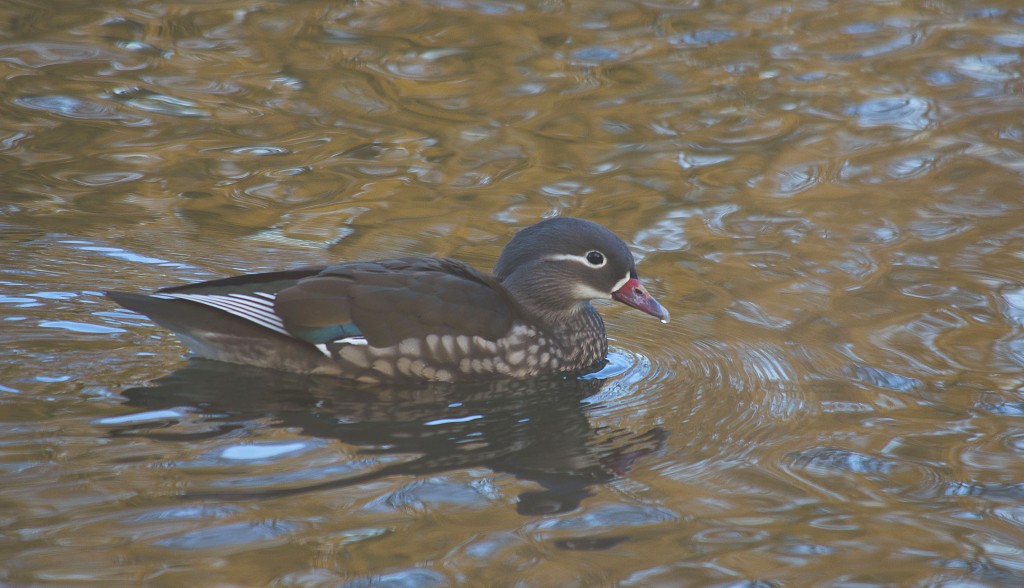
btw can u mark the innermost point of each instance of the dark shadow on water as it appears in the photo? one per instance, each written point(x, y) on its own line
point(536, 430)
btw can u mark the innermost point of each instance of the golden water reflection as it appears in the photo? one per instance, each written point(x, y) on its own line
point(826, 196)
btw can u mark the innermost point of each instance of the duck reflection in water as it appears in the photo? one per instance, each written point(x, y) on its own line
point(534, 429)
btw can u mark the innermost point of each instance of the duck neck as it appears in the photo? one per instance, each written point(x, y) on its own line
point(580, 337)
point(575, 330)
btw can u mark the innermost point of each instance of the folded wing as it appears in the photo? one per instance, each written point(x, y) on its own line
point(388, 301)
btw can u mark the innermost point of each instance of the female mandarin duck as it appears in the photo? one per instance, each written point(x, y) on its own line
point(417, 318)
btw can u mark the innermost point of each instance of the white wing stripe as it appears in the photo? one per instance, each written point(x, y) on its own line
point(253, 307)
point(256, 312)
point(244, 310)
point(262, 305)
point(250, 308)
point(239, 308)
point(352, 340)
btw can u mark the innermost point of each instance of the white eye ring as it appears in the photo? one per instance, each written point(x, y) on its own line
point(595, 258)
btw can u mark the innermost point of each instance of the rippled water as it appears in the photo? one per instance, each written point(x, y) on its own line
point(827, 196)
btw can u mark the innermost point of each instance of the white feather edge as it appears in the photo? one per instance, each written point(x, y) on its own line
point(256, 308)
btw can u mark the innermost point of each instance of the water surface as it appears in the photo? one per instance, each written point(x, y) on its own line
point(826, 196)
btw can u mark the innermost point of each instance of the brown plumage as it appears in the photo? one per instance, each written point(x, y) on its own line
point(417, 318)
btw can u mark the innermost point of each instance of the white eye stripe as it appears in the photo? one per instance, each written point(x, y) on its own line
point(565, 257)
point(577, 258)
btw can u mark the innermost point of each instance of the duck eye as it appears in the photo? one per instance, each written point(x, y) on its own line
point(595, 258)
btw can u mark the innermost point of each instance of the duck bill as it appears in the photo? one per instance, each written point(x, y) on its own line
point(633, 293)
